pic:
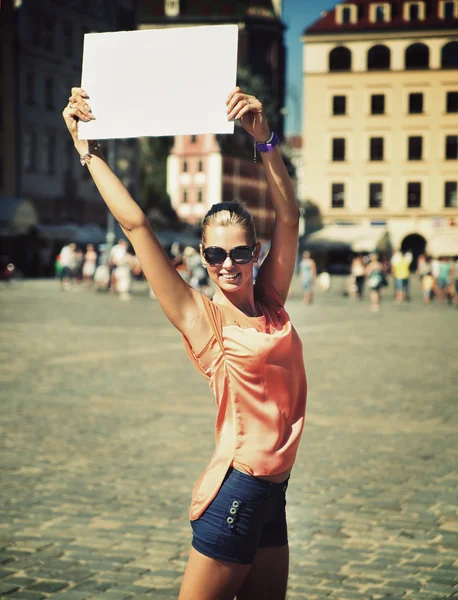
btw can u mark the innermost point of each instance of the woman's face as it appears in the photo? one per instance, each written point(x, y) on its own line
point(229, 276)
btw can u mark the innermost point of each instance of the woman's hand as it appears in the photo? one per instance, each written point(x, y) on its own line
point(76, 109)
point(250, 112)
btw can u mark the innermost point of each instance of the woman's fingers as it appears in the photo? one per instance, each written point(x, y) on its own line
point(77, 91)
point(232, 92)
point(235, 99)
point(246, 104)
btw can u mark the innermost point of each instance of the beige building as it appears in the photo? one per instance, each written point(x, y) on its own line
point(381, 121)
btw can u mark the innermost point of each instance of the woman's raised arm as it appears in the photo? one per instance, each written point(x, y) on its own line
point(278, 267)
point(181, 304)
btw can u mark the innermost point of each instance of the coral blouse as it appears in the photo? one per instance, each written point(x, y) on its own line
point(255, 368)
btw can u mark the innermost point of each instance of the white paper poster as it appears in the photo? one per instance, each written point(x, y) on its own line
point(159, 81)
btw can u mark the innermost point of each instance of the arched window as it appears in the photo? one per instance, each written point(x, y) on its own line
point(340, 59)
point(417, 57)
point(378, 57)
point(450, 56)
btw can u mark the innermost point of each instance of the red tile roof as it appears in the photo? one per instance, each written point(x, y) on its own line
point(328, 24)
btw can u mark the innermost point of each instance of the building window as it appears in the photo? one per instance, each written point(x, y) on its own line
point(415, 148)
point(447, 9)
point(199, 196)
point(376, 148)
point(193, 139)
point(48, 34)
point(415, 103)
point(30, 81)
point(452, 102)
point(449, 56)
point(451, 147)
point(450, 194)
point(340, 59)
point(375, 195)
point(379, 14)
point(49, 154)
point(172, 8)
point(414, 12)
point(414, 195)
point(30, 151)
point(417, 57)
point(49, 93)
point(200, 166)
point(339, 105)
point(185, 166)
point(346, 15)
point(338, 195)
point(185, 196)
point(378, 104)
point(338, 149)
point(68, 39)
point(68, 156)
point(378, 58)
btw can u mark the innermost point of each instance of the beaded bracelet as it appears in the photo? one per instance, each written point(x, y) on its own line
point(93, 146)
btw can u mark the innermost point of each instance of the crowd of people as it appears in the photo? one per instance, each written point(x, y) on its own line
point(368, 273)
point(75, 266)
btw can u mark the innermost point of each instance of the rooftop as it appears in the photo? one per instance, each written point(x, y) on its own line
point(328, 22)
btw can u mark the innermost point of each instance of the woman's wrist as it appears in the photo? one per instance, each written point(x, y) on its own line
point(264, 137)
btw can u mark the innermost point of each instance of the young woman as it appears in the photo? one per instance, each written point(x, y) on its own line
point(243, 342)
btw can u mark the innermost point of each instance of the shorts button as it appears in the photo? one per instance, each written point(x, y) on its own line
point(233, 511)
point(236, 504)
point(230, 520)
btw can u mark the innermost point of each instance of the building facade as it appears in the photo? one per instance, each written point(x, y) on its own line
point(42, 166)
point(203, 170)
point(206, 169)
point(381, 108)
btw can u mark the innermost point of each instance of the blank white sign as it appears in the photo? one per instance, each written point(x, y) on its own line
point(159, 81)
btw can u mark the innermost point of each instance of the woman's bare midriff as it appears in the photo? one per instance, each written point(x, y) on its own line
point(277, 478)
point(280, 478)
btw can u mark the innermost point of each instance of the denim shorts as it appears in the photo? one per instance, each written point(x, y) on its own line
point(248, 513)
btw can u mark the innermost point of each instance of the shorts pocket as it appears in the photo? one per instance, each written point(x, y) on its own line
point(242, 521)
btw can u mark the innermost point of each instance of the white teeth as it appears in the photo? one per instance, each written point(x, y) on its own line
point(229, 276)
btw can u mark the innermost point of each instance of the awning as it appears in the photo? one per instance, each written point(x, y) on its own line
point(444, 244)
point(349, 238)
point(17, 215)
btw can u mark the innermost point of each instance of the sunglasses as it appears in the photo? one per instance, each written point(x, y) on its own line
point(241, 255)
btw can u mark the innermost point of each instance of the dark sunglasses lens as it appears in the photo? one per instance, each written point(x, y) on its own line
point(215, 256)
point(242, 255)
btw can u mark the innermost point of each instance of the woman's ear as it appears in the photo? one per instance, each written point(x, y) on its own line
point(201, 250)
point(257, 252)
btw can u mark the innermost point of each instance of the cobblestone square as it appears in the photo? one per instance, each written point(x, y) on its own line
point(105, 425)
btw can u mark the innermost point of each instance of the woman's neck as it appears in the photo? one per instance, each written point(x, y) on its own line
point(242, 300)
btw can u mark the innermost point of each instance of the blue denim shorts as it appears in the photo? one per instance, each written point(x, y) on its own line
point(248, 513)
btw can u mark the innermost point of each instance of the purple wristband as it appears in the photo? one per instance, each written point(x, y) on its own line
point(270, 144)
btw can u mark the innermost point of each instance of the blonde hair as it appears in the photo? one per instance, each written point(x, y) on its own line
point(225, 214)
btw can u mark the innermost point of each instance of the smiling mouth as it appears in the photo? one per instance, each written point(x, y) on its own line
point(229, 277)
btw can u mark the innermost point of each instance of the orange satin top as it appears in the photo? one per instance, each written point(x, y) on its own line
point(255, 369)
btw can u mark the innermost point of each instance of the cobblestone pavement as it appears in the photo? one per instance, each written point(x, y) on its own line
point(105, 426)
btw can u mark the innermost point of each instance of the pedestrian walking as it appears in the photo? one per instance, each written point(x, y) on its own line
point(66, 260)
point(307, 270)
point(444, 279)
point(358, 272)
point(244, 344)
point(375, 281)
point(89, 266)
point(401, 274)
point(116, 257)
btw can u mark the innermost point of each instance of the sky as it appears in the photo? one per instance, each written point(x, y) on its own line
point(297, 15)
